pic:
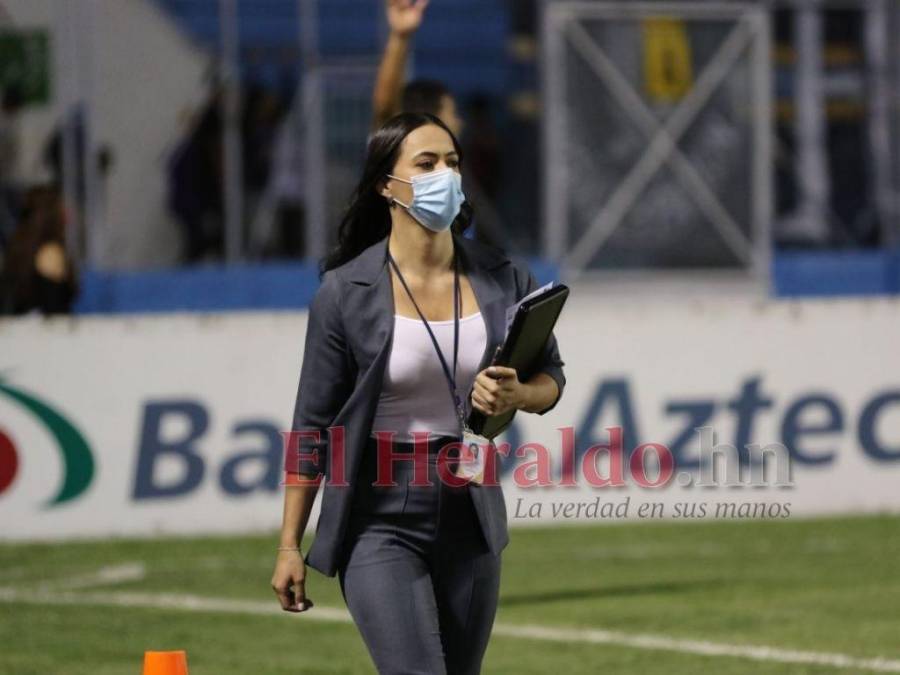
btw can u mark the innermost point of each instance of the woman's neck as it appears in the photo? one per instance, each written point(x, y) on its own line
point(419, 251)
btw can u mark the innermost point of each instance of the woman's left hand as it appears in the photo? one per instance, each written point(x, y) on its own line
point(497, 390)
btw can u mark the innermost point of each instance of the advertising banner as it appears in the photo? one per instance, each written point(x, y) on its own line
point(174, 423)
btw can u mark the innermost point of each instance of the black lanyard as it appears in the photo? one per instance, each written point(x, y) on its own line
point(451, 379)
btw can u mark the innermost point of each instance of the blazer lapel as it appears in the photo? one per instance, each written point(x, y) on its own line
point(375, 306)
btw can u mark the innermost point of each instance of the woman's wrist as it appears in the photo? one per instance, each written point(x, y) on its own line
point(526, 396)
point(289, 540)
point(534, 393)
point(398, 39)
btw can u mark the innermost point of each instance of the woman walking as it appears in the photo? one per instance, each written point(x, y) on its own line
point(399, 341)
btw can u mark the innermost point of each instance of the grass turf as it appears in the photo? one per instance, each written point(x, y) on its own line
point(825, 585)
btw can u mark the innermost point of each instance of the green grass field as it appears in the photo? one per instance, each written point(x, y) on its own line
point(826, 586)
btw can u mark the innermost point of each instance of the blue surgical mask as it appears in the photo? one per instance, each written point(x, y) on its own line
point(437, 198)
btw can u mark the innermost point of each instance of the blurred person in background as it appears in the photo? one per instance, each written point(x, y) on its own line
point(392, 95)
point(196, 178)
point(483, 147)
point(12, 103)
point(54, 148)
point(273, 197)
point(54, 161)
point(195, 184)
point(263, 112)
point(38, 274)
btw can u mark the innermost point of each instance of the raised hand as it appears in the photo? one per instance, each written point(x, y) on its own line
point(405, 16)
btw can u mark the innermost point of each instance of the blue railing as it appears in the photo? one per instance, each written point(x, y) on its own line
point(216, 288)
point(841, 273)
point(291, 285)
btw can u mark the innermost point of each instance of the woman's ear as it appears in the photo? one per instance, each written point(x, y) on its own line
point(383, 189)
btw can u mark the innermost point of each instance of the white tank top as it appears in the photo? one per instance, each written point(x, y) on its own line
point(415, 395)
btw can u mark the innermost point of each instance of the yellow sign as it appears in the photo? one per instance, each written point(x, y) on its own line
point(668, 70)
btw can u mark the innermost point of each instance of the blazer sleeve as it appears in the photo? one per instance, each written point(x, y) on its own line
point(552, 363)
point(325, 379)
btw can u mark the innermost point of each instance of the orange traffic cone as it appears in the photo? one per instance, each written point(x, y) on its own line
point(165, 663)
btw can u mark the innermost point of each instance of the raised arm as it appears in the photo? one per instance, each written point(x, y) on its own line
point(404, 18)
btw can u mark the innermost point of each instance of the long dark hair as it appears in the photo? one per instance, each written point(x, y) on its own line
point(368, 218)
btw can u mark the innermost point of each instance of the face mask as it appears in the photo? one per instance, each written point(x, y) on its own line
point(437, 198)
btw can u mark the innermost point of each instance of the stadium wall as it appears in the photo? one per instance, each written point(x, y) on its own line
point(138, 425)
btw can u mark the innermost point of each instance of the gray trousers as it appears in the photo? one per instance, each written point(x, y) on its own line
point(416, 572)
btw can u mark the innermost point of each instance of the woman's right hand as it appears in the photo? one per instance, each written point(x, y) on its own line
point(289, 582)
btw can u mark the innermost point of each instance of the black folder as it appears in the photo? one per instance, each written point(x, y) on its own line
point(523, 350)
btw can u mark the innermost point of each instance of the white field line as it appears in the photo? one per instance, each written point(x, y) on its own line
point(661, 642)
point(105, 576)
point(193, 603)
point(179, 601)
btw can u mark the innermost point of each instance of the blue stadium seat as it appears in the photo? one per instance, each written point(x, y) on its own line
point(463, 42)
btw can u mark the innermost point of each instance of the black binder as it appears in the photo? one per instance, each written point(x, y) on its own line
point(523, 350)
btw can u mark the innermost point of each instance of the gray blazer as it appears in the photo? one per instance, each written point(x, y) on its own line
point(348, 342)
